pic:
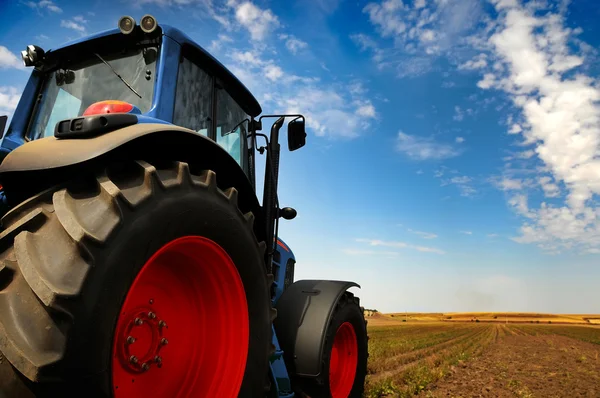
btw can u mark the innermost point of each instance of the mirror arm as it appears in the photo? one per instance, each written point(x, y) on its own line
point(295, 116)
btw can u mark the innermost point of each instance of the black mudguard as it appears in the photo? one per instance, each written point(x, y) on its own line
point(43, 163)
point(303, 314)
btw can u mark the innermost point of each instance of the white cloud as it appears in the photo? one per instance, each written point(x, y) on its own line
point(335, 110)
point(400, 245)
point(72, 25)
point(247, 57)
point(80, 19)
point(9, 60)
point(478, 62)
point(560, 116)
point(44, 4)
point(420, 32)
point(384, 17)
point(519, 202)
point(462, 183)
point(459, 140)
point(460, 180)
point(9, 98)
point(293, 44)
point(424, 235)
point(526, 154)
point(215, 45)
point(257, 21)
point(515, 129)
point(273, 72)
point(487, 82)
point(458, 114)
point(422, 148)
point(427, 35)
point(551, 190)
point(466, 232)
point(367, 110)
point(508, 184)
point(355, 252)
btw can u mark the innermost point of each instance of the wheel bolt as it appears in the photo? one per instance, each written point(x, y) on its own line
point(138, 321)
point(130, 340)
point(164, 341)
point(162, 324)
point(145, 366)
point(151, 315)
point(158, 359)
point(133, 359)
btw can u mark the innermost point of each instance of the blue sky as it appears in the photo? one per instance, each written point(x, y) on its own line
point(453, 157)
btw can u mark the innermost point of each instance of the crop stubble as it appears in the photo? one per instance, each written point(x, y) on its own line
point(462, 359)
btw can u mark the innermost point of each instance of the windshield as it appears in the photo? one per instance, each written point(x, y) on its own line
point(67, 93)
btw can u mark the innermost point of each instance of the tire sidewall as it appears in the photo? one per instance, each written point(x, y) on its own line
point(351, 313)
point(167, 215)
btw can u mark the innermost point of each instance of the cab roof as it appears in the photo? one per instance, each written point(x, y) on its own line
point(234, 86)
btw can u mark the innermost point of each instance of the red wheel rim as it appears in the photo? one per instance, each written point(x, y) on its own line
point(183, 329)
point(343, 361)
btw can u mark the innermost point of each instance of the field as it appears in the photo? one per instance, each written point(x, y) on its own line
point(439, 358)
point(500, 317)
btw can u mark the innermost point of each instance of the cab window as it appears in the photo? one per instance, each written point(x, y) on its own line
point(232, 126)
point(193, 98)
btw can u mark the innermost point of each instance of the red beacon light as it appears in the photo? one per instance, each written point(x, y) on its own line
point(110, 106)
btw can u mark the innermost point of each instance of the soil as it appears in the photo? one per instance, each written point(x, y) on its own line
point(526, 366)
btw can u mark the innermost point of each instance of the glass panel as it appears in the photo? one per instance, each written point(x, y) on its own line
point(232, 127)
point(92, 81)
point(193, 98)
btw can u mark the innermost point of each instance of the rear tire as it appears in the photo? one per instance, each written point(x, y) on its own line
point(70, 255)
point(344, 362)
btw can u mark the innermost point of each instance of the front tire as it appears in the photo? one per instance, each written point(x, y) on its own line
point(345, 354)
point(72, 255)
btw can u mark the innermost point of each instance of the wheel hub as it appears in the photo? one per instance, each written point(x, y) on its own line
point(186, 309)
point(141, 340)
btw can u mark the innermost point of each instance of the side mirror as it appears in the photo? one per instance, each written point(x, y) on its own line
point(3, 120)
point(296, 134)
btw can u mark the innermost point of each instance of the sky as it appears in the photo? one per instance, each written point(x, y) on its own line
point(453, 153)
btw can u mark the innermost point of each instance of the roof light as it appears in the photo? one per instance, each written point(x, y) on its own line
point(108, 106)
point(148, 23)
point(33, 55)
point(126, 24)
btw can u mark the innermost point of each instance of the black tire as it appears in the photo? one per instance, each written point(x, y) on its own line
point(62, 279)
point(347, 310)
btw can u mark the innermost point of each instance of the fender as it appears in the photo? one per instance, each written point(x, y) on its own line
point(303, 314)
point(43, 163)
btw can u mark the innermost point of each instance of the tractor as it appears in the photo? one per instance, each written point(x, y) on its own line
point(135, 257)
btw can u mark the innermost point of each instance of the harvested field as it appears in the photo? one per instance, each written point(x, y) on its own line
point(497, 317)
point(440, 359)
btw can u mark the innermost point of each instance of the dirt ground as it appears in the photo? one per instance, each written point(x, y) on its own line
point(526, 366)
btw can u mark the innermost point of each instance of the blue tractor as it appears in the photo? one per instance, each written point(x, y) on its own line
point(135, 257)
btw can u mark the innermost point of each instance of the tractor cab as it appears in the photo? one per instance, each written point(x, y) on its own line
point(153, 71)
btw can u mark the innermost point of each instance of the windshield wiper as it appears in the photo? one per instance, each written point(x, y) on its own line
point(119, 76)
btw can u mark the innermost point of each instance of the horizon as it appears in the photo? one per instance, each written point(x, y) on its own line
point(453, 150)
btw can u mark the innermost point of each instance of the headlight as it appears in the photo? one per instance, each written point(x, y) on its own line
point(148, 23)
point(126, 25)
